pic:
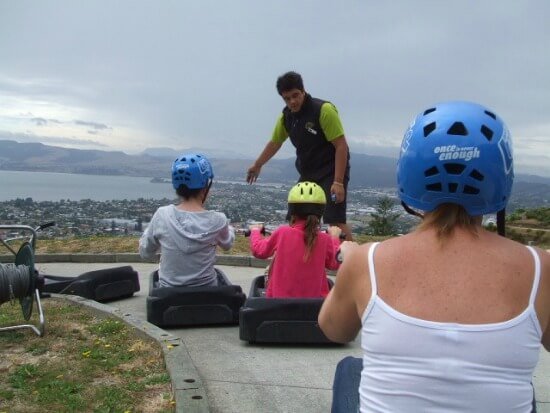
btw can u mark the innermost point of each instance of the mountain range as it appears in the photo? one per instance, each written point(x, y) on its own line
point(374, 171)
point(366, 170)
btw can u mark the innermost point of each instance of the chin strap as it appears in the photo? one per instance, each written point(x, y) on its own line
point(501, 222)
point(412, 211)
point(206, 193)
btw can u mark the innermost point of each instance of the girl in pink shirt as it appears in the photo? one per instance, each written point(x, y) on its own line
point(303, 251)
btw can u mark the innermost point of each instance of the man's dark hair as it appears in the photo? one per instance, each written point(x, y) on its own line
point(289, 81)
point(187, 193)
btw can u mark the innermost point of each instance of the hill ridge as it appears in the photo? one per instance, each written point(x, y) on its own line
point(366, 170)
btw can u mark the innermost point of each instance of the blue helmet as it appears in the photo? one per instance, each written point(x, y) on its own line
point(456, 152)
point(192, 170)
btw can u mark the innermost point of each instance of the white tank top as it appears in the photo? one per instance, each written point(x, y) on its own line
point(414, 365)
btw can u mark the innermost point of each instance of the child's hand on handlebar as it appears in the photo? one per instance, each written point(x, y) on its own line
point(255, 226)
point(334, 231)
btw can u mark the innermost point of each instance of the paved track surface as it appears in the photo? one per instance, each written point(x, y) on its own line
point(243, 378)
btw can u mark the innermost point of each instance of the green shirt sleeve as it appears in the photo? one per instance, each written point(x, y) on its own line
point(279, 133)
point(330, 122)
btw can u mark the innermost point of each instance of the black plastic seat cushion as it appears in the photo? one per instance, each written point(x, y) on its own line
point(280, 320)
point(187, 306)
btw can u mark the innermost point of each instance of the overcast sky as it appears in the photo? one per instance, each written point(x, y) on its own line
point(129, 75)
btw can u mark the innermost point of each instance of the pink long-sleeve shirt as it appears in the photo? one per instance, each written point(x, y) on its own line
point(290, 276)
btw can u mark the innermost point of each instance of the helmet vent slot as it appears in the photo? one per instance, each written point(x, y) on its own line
point(434, 187)
point(454, 168)
point(477, 175)
point(458, 128)
point(470, 190)
point(491, 114)
point(431, 172)
point(428, 111)
point(429, 128)
point(488, 133)
point(453, 187)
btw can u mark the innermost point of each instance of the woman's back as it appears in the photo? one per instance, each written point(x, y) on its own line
point(469, 280)
point(454, 326)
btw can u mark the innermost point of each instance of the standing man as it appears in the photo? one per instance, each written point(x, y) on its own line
point(322, 154)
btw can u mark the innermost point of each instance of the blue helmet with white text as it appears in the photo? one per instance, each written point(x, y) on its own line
point(459, 153)
point(193, 170)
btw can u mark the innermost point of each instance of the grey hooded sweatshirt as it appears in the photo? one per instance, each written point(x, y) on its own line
point(187, 244)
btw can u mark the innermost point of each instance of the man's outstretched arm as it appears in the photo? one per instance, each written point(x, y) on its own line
point(271, 148)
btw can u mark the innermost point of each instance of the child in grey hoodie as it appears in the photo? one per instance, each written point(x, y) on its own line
point(186, 235)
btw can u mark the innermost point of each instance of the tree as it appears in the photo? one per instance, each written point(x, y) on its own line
point(383, 220)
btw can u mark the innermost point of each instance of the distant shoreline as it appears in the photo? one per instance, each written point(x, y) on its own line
point(54, 186)
point(159, 180)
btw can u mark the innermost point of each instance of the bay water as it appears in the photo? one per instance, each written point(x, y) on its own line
point(50, 186)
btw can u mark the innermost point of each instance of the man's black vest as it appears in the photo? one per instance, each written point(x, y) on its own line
point(314, 154)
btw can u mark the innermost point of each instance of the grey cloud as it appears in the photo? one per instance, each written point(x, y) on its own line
point(95, 125)
point(39, 121)
point(49, 140)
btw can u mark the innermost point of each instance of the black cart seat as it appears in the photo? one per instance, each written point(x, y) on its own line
point(190, 306)
point(280, 320)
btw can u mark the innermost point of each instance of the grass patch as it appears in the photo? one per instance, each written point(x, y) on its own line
point(129, 244)
point(537, 237)
point(88, 245)
point(83, 363)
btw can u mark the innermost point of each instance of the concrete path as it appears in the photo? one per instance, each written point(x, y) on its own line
point(257, 378)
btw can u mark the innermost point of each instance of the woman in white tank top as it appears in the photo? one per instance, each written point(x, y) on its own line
point(451, 316)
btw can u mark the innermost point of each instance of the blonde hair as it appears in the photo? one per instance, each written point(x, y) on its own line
point(310, 232)
point(446, 217)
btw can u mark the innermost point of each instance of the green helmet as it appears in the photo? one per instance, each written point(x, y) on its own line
point(306, 198)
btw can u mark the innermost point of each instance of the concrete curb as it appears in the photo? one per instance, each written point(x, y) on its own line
point(189, 391)
point(232, 260)
point(129, 258)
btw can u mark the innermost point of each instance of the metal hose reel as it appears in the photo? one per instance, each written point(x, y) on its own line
point(18, 281)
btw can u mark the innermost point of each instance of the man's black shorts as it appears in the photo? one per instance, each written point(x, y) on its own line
point(334, 213)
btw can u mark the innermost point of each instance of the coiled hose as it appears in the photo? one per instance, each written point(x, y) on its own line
point(14, 282)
